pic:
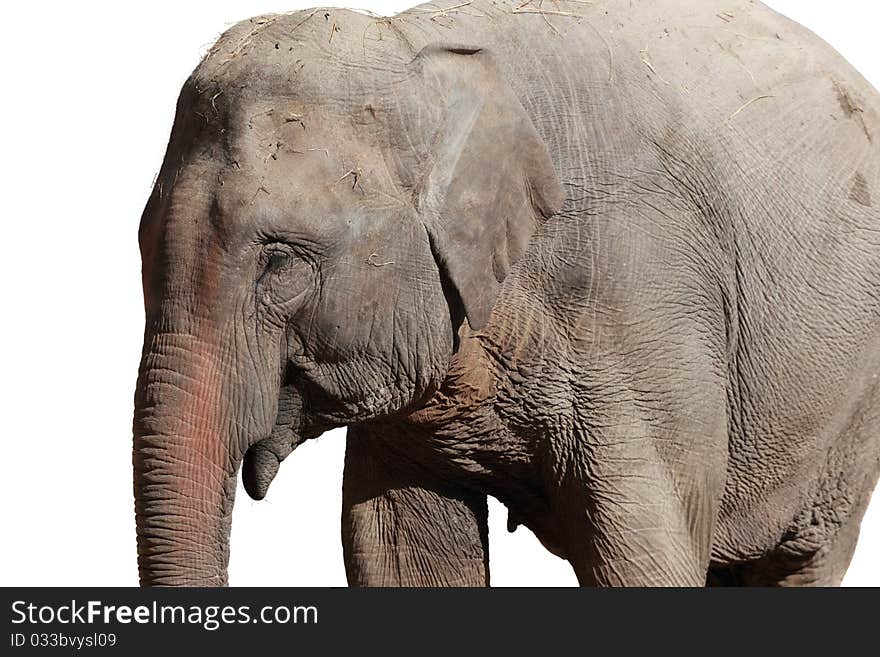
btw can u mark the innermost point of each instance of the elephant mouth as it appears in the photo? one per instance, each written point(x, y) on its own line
point(263, 459)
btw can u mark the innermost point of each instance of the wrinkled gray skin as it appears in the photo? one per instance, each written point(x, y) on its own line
point(621, 272)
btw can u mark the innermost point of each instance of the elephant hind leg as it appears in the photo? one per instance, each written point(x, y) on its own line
point(826, 566)
point(819, 550)
point(800, 561)
point(400, 527)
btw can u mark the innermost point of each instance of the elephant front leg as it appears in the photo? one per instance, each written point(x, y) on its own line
point(401, 527)
point(637, 517)
point(638, 542)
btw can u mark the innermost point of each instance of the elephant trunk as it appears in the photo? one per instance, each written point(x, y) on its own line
point(185, 464)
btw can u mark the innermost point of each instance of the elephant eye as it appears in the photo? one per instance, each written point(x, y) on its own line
point(277, 260)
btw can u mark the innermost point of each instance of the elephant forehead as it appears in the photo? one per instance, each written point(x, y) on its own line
point(316, 192)
point(314, 50)
point(302, 136)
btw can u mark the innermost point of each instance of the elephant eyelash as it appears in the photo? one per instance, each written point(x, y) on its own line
point(300, 249)
point(298, 244)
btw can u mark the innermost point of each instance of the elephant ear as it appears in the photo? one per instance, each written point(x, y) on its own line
point(489, 180)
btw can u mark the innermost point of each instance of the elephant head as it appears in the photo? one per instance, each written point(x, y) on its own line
point(316, 236)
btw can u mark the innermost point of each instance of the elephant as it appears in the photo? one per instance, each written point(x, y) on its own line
point(616, 265)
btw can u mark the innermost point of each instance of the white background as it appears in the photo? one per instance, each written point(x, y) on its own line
point(88, 96)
